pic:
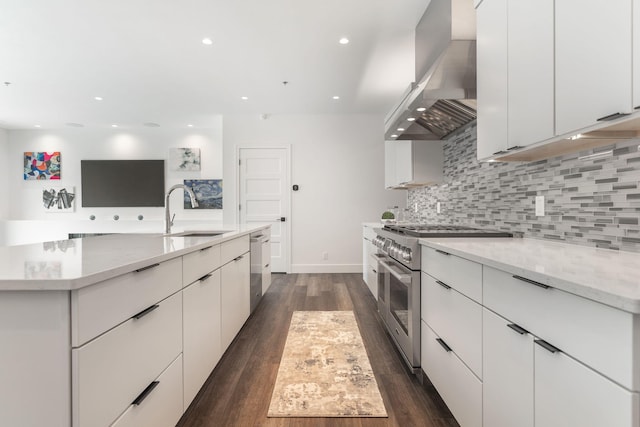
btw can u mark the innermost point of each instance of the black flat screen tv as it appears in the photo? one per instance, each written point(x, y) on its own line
point(122, 183)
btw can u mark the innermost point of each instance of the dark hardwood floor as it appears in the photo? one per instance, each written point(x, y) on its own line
point(239, 390)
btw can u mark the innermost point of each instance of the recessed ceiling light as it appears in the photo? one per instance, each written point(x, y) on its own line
point(75, 125)
point(400, 129)
point(151, 125)
point(420, 109)
point(36, 126)
point(207, 41)
point(114, 126)
point(411, 119)
point(394, 136)
point(344, 40)
point(336, 97)
point(189, 126)
point(244, 98)
point(97, 98)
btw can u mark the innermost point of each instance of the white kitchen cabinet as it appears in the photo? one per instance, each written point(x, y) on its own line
point(459, 387)
point(593, 61)
point(413, 163)
point(492, 77)
point(201, 335)
point(567, 393)
point(507, 383)
point(369, 262)
point(162, 406)
point(530, 71)
point(234, 298)
point(266, 261)
point(199, 263)
point(636, 54)
point(109, 372)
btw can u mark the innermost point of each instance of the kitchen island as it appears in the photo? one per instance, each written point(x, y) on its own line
point(517, 330)
point(119, 329)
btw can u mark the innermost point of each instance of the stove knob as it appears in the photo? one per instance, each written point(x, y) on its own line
point(406, 254)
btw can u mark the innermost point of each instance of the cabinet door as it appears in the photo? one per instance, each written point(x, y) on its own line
point(266, 265)
point(531, 72)
point(201, 339)
point(593, 61)
point(568, 393)
point(404, 161)
point(492, 50)
point(636, 54)
point(389, 164)
point(507, 363)
point(234, 298)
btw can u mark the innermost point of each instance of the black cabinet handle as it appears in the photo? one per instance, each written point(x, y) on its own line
point(238, 258)
point(637, 108)
point(267, 265)
point(499, 152)
point(204, 249)
point(442, 252)
point(146, 268)
point(533, 282)
point(547, 346)
point(266, 241)
point(518, 329)
point(612, 117)
point(144, 312)
point(205, 277)
point(145, 393)
point(515, 147)
point(444, 285)
point(443, 344)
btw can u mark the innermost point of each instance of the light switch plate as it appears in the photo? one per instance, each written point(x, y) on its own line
point(539, 205)
point(437, 207)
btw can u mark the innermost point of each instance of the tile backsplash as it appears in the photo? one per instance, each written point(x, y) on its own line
point(591, 198)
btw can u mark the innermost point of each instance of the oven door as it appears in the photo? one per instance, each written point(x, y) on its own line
point(402, 317)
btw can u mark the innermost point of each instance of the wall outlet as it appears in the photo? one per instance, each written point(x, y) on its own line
point(539, 205)
point(437, 207)
point(325, 256)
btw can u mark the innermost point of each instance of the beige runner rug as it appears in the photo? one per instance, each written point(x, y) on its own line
point(325, 371)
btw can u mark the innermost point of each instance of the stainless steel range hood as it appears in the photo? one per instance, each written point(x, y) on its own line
point(442, 99)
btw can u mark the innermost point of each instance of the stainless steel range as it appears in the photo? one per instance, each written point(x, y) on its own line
point(399, 279)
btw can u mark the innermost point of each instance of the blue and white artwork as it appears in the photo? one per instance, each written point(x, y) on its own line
point(184, 159)
point(208, 193)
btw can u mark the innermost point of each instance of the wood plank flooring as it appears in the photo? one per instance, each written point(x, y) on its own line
point(239, 390)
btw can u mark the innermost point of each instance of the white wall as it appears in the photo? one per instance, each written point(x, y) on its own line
point(338, 162)
point(79, 144)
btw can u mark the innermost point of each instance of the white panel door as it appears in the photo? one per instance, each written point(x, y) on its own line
point(265, 198)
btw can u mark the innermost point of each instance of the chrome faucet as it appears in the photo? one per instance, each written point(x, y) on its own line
point(168, 220)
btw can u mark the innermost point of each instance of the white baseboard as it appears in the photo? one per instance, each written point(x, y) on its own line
point(326, 268)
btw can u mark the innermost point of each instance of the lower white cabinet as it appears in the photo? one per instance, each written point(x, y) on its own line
point(369, 261)
point(459, 387)
point(266, 262)
point(201, 332)
point(568, 394)
point(161, 406)
point(109, 372)
point(234, 298)
point(507, 384)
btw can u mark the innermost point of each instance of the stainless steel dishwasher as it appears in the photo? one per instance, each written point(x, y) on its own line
point(257, 239)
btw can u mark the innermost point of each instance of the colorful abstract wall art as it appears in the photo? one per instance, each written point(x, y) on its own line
point(41, 165)
point(208, 193)
point(58, 199)
point(184, 159)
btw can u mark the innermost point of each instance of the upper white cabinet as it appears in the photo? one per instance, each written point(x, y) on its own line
point(593, 61)
point(548, 70)
point(413, 163)
point(530, 75)
point(492, 75)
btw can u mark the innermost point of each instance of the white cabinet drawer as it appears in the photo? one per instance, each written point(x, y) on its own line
point(463, 275)
point(596, 334)
point(109, 372)
point(568, 393)
point(198, 264)
point(232, 249)
point(459, 388)
point(97, 308)
point(456, 319)
point(162, 406)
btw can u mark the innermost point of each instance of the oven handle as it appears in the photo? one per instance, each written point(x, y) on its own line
point(391, 268)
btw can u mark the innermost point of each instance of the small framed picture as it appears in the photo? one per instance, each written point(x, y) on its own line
point(184, 159)
point(58, 199)
point(42, 165)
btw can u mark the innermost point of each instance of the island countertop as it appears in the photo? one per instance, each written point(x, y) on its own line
point(603, 275)
point(65, 265)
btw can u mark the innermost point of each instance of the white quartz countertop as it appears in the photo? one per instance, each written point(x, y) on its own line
point(603, 275)
point(76, 263)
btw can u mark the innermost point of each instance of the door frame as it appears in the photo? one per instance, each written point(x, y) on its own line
point(288, 152)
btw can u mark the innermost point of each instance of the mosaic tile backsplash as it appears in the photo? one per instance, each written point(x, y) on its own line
point(592, 201)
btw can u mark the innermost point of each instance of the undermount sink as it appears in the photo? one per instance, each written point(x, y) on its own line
point(196, 234)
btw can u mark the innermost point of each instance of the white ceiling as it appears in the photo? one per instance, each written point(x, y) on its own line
point(147, 60)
